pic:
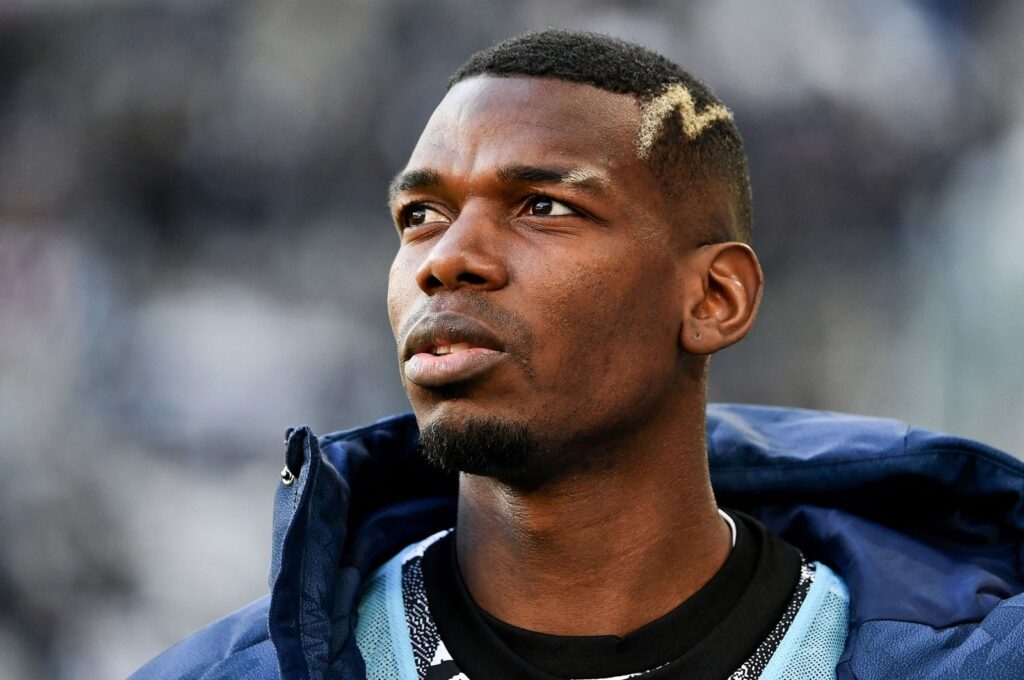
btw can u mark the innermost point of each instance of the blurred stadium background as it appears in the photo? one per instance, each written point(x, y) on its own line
point(193, 256)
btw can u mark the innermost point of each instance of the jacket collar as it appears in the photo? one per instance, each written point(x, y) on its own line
point(354, 499)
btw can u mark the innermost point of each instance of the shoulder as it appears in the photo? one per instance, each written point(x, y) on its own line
point(990, 648)
point(237, 646)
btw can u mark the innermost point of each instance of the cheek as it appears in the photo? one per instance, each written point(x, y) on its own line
point(612, 323)
point(401, 289)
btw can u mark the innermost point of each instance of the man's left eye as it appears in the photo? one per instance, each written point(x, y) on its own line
point(542, 205)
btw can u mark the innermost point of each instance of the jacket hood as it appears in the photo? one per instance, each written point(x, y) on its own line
point(925, 528)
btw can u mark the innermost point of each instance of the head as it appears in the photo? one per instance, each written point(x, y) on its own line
point(574, 226)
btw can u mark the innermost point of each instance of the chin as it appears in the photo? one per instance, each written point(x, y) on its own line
point(489, 446)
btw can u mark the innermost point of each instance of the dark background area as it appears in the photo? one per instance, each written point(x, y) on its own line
point(194, 249)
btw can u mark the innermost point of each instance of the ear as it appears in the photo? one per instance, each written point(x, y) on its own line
point(722, 294)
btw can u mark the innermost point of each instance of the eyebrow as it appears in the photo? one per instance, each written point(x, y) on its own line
point(412, 180)
point(585, 179)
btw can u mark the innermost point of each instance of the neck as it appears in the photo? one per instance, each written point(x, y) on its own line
point(600, 552)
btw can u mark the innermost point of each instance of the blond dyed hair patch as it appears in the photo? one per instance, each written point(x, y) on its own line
point(676, 97)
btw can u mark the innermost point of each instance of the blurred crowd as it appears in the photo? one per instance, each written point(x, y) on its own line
point(194, 249)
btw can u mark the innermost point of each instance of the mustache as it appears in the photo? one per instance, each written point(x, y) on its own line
point(512, 328)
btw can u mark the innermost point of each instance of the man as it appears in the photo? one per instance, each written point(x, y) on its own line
point(574, 225)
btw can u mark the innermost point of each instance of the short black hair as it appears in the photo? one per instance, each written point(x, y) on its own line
point(691, 135)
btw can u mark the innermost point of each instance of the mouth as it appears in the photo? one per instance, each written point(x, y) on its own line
point(449, 348)
point(442, 349)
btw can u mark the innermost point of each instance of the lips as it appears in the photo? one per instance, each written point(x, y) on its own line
point(448, 348)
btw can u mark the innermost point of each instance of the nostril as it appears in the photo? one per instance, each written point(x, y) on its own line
point(470, 278)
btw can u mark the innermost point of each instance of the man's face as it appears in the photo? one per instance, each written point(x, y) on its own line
point(537, 280)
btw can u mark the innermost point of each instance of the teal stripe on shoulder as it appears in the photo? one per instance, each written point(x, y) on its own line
point(816, 638)
point(382, 633)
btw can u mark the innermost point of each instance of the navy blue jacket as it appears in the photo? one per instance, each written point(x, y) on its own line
point(924, 528)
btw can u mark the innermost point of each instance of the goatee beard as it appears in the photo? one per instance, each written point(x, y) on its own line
point(488, 447)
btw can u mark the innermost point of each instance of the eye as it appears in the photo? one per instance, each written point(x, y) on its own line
point(542, 205)
point(419, 214)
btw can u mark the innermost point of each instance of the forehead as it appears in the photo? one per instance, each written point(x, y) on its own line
point(487, 122)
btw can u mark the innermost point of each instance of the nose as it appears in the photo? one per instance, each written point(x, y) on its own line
point(468, 254)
